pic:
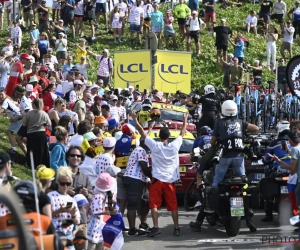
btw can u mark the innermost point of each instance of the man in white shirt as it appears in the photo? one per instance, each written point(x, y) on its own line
point(194, 27)
point(165, 171)
point(279, 12)
point(288, 33)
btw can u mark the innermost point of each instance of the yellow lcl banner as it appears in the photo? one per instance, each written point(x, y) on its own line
point(173, 71)
point(133, 68)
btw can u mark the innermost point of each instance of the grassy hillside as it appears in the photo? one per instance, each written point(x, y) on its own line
point(205, 70)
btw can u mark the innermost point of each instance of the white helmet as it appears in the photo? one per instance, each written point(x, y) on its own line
point(209, 89)
point(229, 108)
point(282, 125)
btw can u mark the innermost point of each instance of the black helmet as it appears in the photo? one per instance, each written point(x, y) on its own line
point(147, 104)
point(25, 190)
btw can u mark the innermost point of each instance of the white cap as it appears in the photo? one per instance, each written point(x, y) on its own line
point(109, 142)
point(223, 20)
point(113, 97)
point(78, 82)
point(103, 103)
point(61, 33)
point(29, 87)
point(94, 86)
point(256, 61)
point(131, 87)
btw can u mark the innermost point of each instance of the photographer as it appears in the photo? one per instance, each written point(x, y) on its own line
point(61, 48)
point(43, 12)
point(67, 8)
point(256, 71)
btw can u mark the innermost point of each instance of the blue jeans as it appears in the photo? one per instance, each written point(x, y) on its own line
point(69, 236)
point(237, 163)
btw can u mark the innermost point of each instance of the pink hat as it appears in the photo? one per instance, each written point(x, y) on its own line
point(169, 11)
point(29, 87)
point(109, 142)
point(104, 182)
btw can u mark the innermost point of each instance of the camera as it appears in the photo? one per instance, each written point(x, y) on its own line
point(195, 99)
point(219, 154)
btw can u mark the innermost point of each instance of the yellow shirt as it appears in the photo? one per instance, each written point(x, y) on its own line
point(79, 54)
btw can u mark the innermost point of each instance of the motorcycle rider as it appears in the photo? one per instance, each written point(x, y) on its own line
point(275, 148)
point(230, 131)
point(210, 107)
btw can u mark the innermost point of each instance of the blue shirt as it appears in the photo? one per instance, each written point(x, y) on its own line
point(275, 149)
point(296, 14)
point(202, 142)
point(66, 67)
point(43, 45)
point(239, 50)
point(68, 10)
point(157, 19)
point(35, 33)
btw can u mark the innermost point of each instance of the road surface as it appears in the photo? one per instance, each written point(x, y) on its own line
point(214, 237)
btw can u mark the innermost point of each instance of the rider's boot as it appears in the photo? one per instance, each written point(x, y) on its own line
point(196, 226)
point(251, 226)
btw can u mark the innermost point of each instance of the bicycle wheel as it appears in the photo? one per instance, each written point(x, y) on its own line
point(191, 196)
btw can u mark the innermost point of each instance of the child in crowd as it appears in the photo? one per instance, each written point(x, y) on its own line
point(168, 29)
point(16, 34)
point(116, 23)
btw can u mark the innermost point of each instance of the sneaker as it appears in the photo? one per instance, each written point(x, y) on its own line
point(142, 233)
point(198, 204)
point(251, 226)
point(195, 226)
point(176, 232)
point(267, 219)
point(133, 232)
point(154, 232)
point(209, 210)
point(93, 38)
point(144, 227)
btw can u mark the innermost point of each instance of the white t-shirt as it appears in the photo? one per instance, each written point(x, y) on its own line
point(252, 20)
point(133, 168)
point(102, 162)
point(60, 46)
point(114, 112)
point(165, 159)
point(194, 24)
point(74, 118)
point(25, 104)
point(11, 110)
point(136, 13)
point(57, 200)
point(83, 69)
point(287, 37)
point(87, 167)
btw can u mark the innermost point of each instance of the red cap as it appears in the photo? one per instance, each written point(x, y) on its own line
point(25, 56)
point(44, 68)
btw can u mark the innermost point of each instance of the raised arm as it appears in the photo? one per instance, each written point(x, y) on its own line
point(183, 129)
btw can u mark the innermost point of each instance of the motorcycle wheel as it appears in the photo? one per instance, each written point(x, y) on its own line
point(191, 196)
point(232, 226)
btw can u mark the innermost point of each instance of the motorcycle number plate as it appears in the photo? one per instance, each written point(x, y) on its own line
point(259, 176)
point(284, 190)
point(237, 206)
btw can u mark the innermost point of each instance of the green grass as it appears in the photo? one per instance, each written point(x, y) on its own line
point(205, 70)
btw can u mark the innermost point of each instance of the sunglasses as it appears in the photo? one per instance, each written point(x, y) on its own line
point(74, 155)
point(65, 184)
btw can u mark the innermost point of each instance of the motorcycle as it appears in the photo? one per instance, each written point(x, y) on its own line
point(230, 202)
point(275, 188)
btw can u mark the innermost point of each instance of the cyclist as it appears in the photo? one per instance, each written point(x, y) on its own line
point(210, 107)
point(275, 148)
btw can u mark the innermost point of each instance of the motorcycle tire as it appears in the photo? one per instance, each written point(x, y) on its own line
point(191, 196)
point(232, 226)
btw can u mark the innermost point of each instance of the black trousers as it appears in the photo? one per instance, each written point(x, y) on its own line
point(296, 25)
point(37, 143)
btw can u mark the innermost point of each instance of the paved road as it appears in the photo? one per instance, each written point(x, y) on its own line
point(213, 237)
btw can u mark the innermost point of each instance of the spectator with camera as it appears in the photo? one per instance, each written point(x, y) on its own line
point(61, 48)
point(67, 8)
point(43, 13)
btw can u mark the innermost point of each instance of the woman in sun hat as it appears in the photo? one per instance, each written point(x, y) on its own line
point(44, 177)
point(101, 207)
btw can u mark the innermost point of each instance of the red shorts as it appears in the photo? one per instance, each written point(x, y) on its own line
point(210, 16)
point(156, 190)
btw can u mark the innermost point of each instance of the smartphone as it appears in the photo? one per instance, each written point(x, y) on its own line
point(69, 204)
point(66, 223)
point(283, 145)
